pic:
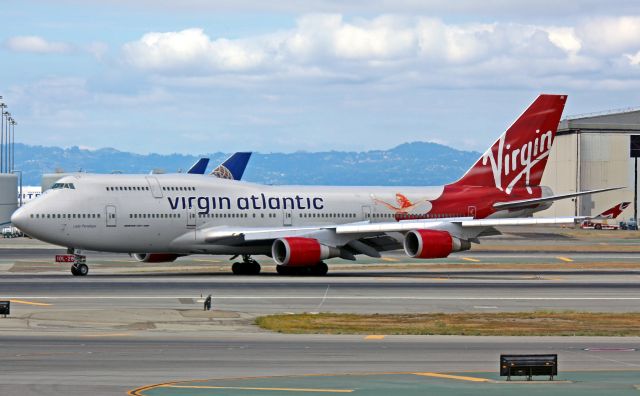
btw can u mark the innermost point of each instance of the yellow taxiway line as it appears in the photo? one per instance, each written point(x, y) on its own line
point(30, 303)
point(389, 259)
point(471, 259)
point(374, 337)
point(453, 377)
point(565, 259)
point(260, 389)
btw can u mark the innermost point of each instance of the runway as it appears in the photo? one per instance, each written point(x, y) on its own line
point(130, 324)
point(115, 364)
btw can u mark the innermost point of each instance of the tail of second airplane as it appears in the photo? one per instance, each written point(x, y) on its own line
point(233, 167)
point(614, 212)
point(199, 167)
point(519, 156)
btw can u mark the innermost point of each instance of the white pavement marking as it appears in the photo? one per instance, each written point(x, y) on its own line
point(548, 298)
point(324, 297)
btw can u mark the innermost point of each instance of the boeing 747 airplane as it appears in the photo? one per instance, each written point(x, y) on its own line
point(174, 215)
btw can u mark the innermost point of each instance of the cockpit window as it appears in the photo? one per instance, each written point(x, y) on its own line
point(58, 186)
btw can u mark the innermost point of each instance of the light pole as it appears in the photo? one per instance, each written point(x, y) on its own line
point(6, 141)
point(9, 121)
point(13, 143)
point(2, 107)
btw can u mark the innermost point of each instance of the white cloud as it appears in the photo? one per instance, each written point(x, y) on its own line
point(610, 35)
point(634, 59)
point(386, 48)
point(37, 44)
point(189, 49)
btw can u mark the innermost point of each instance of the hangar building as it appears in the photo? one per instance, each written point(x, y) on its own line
point(592, 151)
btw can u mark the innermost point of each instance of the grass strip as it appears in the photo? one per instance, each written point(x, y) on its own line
point(538, 323)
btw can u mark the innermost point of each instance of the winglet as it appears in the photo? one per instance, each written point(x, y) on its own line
point(199, 167)
point(233, 167)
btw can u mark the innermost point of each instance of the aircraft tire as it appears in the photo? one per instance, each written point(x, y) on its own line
point(251, 268)
point(237, 269)
point(74, 270)
point(320, 269)
point(255, 268)
point(83, 269)
point(283, 270)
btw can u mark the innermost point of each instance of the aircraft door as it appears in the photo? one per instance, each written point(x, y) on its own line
point(472, 211)
point(154, 185)
point(191, 217)
point(110, 214)
point(286, 218)
point(366, 213)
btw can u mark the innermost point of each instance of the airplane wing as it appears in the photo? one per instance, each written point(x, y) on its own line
point(366, 237)
point(528, 202)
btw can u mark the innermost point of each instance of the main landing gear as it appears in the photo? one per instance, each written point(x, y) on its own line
point(319, 269)
point(248, 266)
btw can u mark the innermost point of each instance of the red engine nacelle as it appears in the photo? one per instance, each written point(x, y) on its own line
point(429, 244)
point(156, 257)
point(301, 252)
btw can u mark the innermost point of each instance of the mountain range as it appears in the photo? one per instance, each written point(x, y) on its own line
point(412, 164)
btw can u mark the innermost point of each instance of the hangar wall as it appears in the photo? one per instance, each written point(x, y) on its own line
point(8, 197)
point(592, 152)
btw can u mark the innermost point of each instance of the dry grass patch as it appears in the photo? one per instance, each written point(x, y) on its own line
point(540, 323)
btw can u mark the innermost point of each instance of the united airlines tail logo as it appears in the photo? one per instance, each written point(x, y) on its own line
point(514, 163)
point(222, 172)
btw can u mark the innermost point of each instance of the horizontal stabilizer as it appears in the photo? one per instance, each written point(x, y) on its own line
point(524, 203)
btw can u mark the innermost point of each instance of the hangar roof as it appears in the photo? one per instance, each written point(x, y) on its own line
point(622, 121)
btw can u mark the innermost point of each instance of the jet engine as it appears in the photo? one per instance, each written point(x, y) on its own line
point(156, 257)
point(301, 252)
point(429, 244)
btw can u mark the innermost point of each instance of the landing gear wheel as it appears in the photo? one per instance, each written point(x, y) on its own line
point(79, 269)
point(320, 269)
point(249, 267)
point(283, 270)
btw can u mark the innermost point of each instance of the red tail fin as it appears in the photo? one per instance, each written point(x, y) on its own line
point(518, 157)
point(613, 212)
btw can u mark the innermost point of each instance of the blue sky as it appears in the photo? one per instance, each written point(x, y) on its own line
point(200, 76)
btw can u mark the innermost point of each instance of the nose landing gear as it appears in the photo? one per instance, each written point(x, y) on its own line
point(79, 267)
point(248, 266)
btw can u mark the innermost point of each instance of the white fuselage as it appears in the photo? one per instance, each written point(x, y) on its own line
point(134, 213)
point(167, 213)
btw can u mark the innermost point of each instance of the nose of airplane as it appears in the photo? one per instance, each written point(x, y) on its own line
point(19, 218)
